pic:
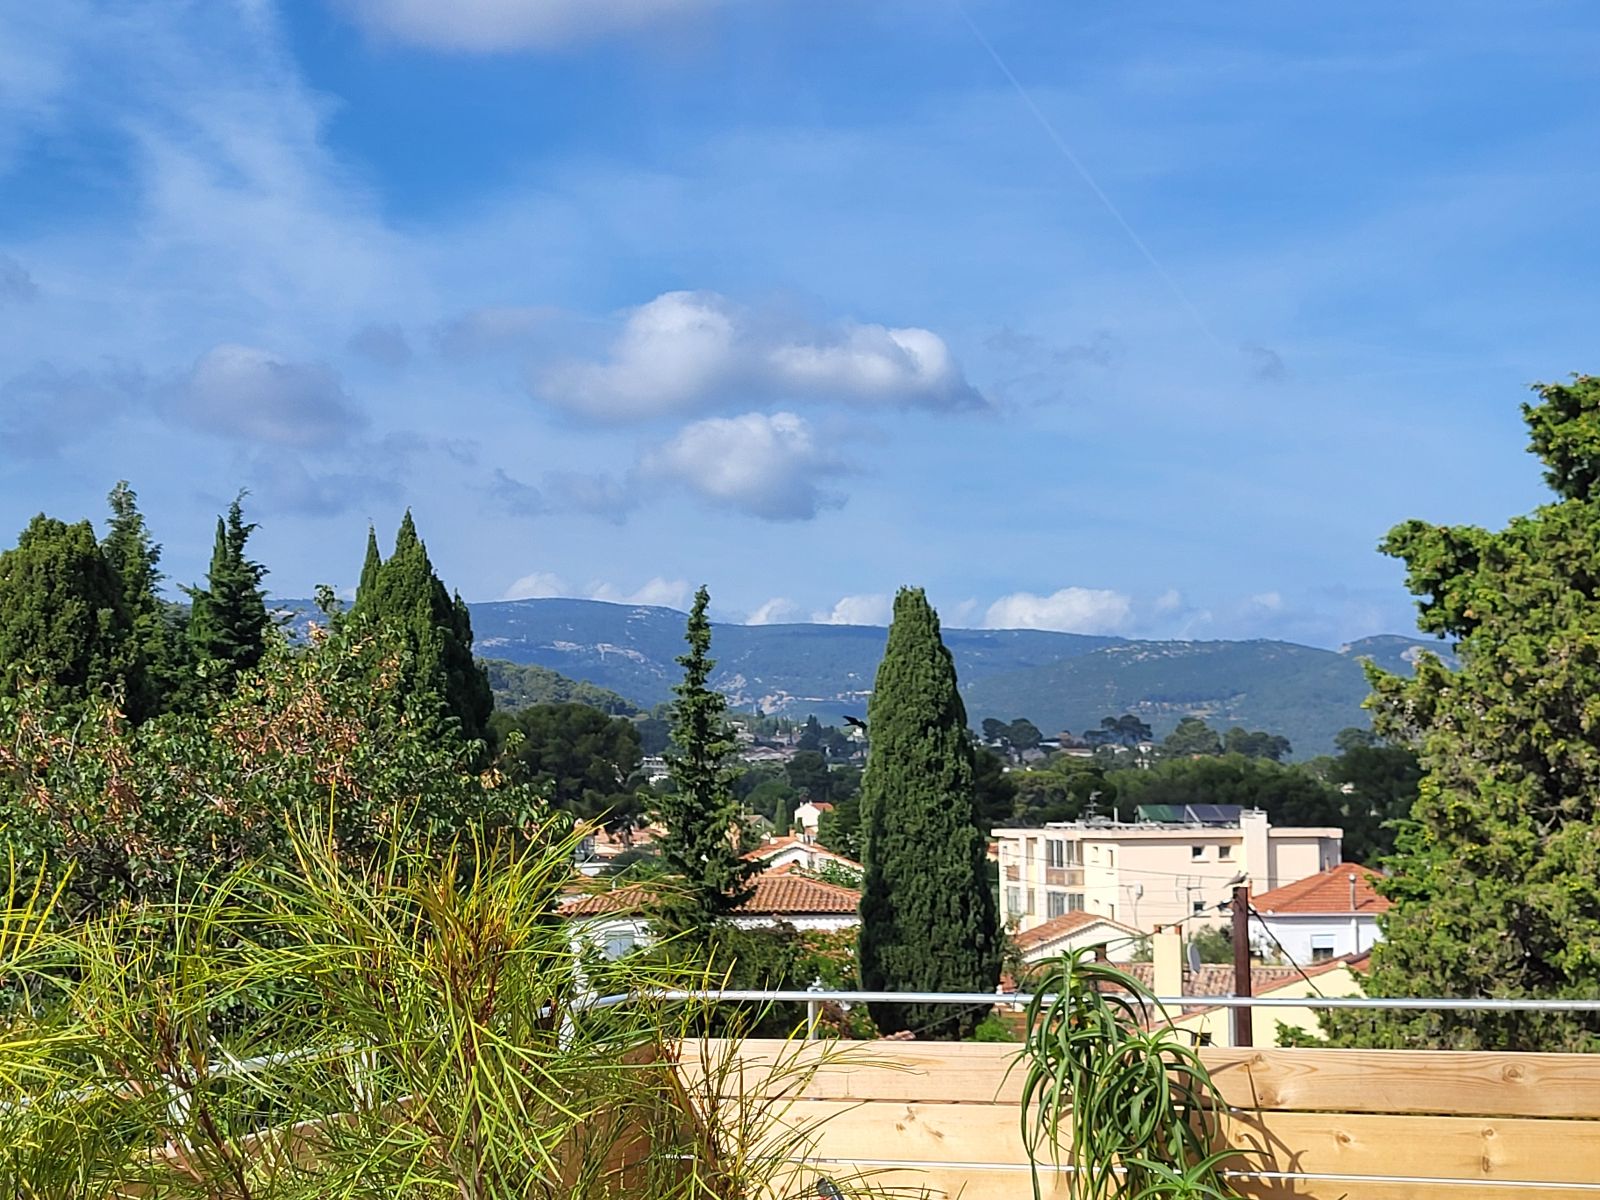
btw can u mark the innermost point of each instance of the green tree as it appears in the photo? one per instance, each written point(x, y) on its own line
point(811, 735)
point(586, 762)
point(808, 775)
point(840, 830)
point(701, 812)
point(1023, 734)
point(1256, 744)
point(1496, 877)
point(995, 790)
point(406, 593)
point(157, 626)
point(1192, 737)
point(63, 623)
point(928, 918)
point(228, 619)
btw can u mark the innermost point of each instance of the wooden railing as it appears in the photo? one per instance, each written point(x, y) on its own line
point(1358, 1124)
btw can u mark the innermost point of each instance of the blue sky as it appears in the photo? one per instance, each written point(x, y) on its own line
point(1144, 319)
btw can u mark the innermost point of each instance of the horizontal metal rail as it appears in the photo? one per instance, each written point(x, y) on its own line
point(973, 999)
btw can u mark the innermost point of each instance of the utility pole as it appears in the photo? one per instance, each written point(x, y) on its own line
point(1243, 1018)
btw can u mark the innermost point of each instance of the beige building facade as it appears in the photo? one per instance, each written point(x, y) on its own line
point(1151, 873)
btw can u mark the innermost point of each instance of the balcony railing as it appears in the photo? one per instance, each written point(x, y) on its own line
point(1063, 876)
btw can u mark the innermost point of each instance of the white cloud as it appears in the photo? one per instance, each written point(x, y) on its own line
point(776, 611)
point(687, 351)
point(545, 585)
point(247, 393)
point(664, 593)
point(1271, 601)
point(766, 466)
point(1070, 610)
point(858, 610)
point(1170, 600)
point(487, 26)
point(539, 585)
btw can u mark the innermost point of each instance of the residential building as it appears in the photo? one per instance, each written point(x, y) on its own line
point(617, 921)
point(1167, 974)
point(1075, 931)
point(1153, 872)
point(798, 850)
point(809, 815)
point(1329, 915)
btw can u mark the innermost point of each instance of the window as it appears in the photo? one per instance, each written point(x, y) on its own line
point(1197, 907)
point(1055, 904)
point(1029, 909)
point(1111, 911)
point(1056, 853)
point(1321, 947)
point(618, 943)
point(1111, 857)
point(1197, 852)
point(1224, 852)
point(1074, 901)
point(1014, 901)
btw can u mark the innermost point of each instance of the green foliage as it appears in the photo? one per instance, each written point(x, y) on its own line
point(228, 620)
point(1496, 878)
point(585, 762)
point(928, 918)
point(701, 813)
point(517, 685)
point(1192, 737)
point(1023, 734)
point(157, 628)
point(430, 1039)
point(809, 776)
point(405, 592)
point(64, 627)
point(840, 830)
point(1214, 944)
point(1125, 1106)
point(120, 812)
point(1256, 744)
point(995, 790)
point(993, 1029)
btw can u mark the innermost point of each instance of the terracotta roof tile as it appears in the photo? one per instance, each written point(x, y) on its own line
point(777, 894)
point(1067, 923)
point(1325, 893)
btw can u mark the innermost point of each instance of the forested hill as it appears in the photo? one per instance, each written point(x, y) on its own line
point(1058, 680)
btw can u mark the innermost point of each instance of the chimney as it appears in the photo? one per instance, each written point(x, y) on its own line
point(1166, 951)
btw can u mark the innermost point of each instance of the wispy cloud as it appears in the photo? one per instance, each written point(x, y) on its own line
point(251, 395)
point(1069, 610)
point(496, 26)
point(657, 592)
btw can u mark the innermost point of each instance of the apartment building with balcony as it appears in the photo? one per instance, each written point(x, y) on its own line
point(1174, 863)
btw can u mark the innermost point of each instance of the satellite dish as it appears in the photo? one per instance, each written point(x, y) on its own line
point(1194, 959)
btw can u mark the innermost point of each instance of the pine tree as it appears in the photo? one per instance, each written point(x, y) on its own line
point(228, 621)
point(701, 814)
point(1496, 879)
point(405, 594)
point(63, 624)
point(927, 910)
point(157, 632)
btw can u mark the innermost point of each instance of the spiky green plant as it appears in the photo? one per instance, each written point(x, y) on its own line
point(415, 1025)
point(1118, 1101)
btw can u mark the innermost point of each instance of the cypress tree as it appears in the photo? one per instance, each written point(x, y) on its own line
point(405, 594)
point(135, 557)
point(701, 814)
point(228, 621)
point(928, 919)
point(62, 620)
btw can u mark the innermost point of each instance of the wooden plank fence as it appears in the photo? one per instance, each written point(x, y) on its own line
point(944, 1120)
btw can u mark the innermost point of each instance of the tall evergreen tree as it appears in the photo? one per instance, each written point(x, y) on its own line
point(228, 620)
point(157, 630)
point(928, 920)
point(1496, 877)
point(701, 814)
point(405, 594)
point(63, 624)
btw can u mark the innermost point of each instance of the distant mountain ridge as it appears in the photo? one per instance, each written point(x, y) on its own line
point(1058, 680)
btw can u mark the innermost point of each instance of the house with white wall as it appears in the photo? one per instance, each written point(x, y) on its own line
point(618, 921)
point(798, 850)
point(1331, 914)
point(1076, 931)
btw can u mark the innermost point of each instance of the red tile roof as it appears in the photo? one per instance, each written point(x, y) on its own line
point(775, 846)
point(1067, 923)
point(777, 894)
point(1326, 893)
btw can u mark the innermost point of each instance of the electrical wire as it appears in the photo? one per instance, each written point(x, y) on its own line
point(1287, 957)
